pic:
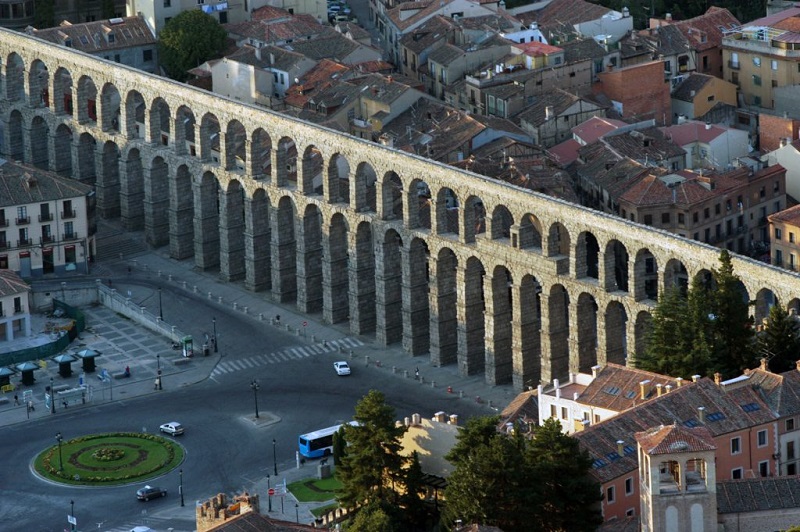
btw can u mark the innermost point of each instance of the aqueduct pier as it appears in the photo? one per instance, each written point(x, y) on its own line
point(502, 281)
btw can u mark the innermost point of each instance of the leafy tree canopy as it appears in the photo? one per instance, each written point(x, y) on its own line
point(188, 40)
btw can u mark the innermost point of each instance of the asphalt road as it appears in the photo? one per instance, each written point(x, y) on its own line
point(226, 452)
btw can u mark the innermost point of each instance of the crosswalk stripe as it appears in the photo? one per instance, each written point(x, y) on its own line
point(248, 362)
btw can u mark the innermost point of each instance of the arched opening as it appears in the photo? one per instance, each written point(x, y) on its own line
point(447, 212)
point(587, 333)
point(365, 192)
point(181, 219)
point(416, 313)
point(39, 80)
point(235, 147)
point(206, 222)
point(528, 366)
point(389, 282)
point(110, 102)
point(286, 171)
point(159, 122)
point(616, 266)
point(474, 218)
point(258, 252)
point(501, 224)
point(134, 115)
point(645, 276)
point(16, 138)
point(337, 300)
point(676, 276)
point(310, 276)
point(261, 155)
point(444, 317)
point(498, 351)
point(558, 328)
point(420, 211)
point(87, 101)
point(312, 171)
point(184, 132)
point(15, 78)
point(616, 333)
point(63, 150)
point(392, 197)
point(232, 230)
point(209, 139)
point(765, 299)
point(530, 233)
point(108, 185)
point(473, 360)
point(642, 331)
point(587, 256)
point(40, 154)
point(362, 300)
point(284, 262)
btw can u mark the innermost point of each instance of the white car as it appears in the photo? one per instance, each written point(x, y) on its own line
point(173, 427)
point(341, 368)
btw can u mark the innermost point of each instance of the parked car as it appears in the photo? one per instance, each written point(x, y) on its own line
point(341, 367)
point(150, 492)
point(173, 427)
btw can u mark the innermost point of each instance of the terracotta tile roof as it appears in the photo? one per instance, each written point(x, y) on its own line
point(595, 128)
point(375, 87)
point(780, 391)
point(296, 28)
point(618, 388)
point(502, 22)
point(524, 407)
point(352, 31)
point(90, 37)
point(315, 80)
point(666, 40)
point(446, 54)
point(771, 21)
point(668, 439)
point(270, 13)
point(431, 32)
point(758, 494)
point(703, 31)
point(424, 10)
point(21, 184)
point(565, 153)
point(789, 216)
point(693, 131)
point(271, 57)
point(561, 16)
point(692, 83)
point(11, 284)
point(648, 146)
point(537, 49)
point(536, 114)
point(328, 45)
point(581, 50)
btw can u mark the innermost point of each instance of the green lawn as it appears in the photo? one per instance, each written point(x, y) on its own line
point(129, 457)
point(315, 490)
point(322, 510)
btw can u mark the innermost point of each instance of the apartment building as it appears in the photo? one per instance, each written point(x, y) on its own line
point(19, 14)
point(46, 222)
point(15, 312)
point(158, 12)
point(784, 228)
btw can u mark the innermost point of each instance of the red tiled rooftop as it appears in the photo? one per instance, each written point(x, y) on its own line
point(538, 48)
point(596, 127)
point(789, 216)
point(566, 152)
point(674, 438)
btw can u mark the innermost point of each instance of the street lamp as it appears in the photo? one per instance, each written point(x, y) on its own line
point(158, 368)
point(72, 515)
point(180, 488)
point(59, 439)
point(214, 321)
point(274, 459)
point(269, 496)
point(52, 398)
point(160, 308)
point(254, 386)
point(297, 513)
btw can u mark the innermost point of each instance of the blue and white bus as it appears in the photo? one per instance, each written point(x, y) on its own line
point(320, 442)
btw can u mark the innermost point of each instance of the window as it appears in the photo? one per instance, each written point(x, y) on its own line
point(167, 3)
point(763, 468)
point(710, 98)
point(664, 217)
point(789, 425)
point(777, 206)
point(757, 61)
point(17, 304)
point(762, 438)
point(629, 486)
point(648, 219)
point(564, 413)
point(610, 495)
point(778, 233)
point(117, 58)
point(706, 213)
point(736, 474)
point(147, 55)
point(68, 230)
point(630, 512)
point(790, 450)
point(696, 216)
point(717, 208)
point(680, 218)
point(736, 445)
point(553, 411)
point(22, 215)
point(756, 100)
point(773, 64)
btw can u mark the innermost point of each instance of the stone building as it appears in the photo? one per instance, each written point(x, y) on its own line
point(15, 312)
point(19, 14)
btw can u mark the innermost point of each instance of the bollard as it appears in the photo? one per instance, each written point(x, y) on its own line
point(341, 349)
point(297, 331)
point(377, 363)
point(235, 305)
point(478, 399)
point(490, 403)
point(313, 338)
point(272, 321)
point(366, 358)
point(194, 289)
point(288, 328)
point(209, 295)
point(260, 316)
point(351, 354)
point(422, 380)
point(219, 299)
point(394, 369)
point(433, 384)
point(244, 309)
point(169, 277)
point(405, 373)
point(184, 284)
point(159, 273)
point(449, 389)
point(461, 394)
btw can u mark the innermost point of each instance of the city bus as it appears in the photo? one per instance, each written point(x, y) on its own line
point(319, 443)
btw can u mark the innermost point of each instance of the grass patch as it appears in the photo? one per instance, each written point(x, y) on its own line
point(109, 459)
point(315, 490)
point(322, 510)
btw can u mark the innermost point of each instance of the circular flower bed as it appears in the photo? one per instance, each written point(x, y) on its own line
point(112, 458)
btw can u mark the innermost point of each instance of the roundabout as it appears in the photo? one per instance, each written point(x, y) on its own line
point(108, 459)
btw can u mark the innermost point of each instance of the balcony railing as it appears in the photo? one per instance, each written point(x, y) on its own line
point(46, 239)
point(71, 236)
point(734, 65)
point(24, 220)
point(46, 217)
point(3, 244)
point(23, 242)
point(68, 214)
point(3, 222)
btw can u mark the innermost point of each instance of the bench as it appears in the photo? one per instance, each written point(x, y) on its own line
point(181, 361)
point(61, 388)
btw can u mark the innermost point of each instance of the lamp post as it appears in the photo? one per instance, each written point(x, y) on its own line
point(158, 368)
point(214, 321)
point(72, 515)
point(297, 513)
point(269, 497)
point(160, 308)
point(180, 488)
point(274, 459)
point(52, 397)
point(254, 386)
point(59, 439)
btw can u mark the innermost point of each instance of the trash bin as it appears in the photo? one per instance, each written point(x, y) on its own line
point(206, 350)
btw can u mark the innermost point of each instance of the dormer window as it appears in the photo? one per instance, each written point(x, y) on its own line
point(68, 42)
point(111, 38)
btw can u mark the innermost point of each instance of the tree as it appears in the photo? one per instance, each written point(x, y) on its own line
point(45, 14)
point(415, 513)
point(478, 431)
point(779, 341)
point(669, 340)
point(732, 346)
point(188, 40)
point(370, 518)
point(371, 469)
point(339, 446)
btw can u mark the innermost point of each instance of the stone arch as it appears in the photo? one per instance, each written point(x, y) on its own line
point(309, 297)
point(108, 182)
point(185, 142)
point(391, 197)
point(587, 256)
point(558, 241)
point(641, 332)
point(474, 219)
point(499, 317)
point(362, 294)
point(135, 110)
point(284, 256)
point(472, 352)
point(156, 202)
point(793, 308)
point(418, 201)
point(110, 101)
point(676, 276)
point(159, 122)
point(235, 146)
point(15, 77)
point(337, 183)
point(336, 305)
point(444, 313)
point(706, 279)
point(389, 289)
point(87, 173)
point(416, 310)
point(260, 155)
point(286, 167)
point(645, 276)
point(232, 230)
point(616, 333)
point(530, 233)
point(764, 301)
point(62, 92)
point(86, 106)
point(39, 81)
point(587, 333)
point(209, 139)
point(501, 223)
point(558, 329)
point(446, 211)
point(364, 188)
point(181, 214)
point(206, 221)
point(259, 245)
point(38, 141)
point(15, 136)
point(62, 143)
point(615, 264)
point(312, 171)
point(528, 363)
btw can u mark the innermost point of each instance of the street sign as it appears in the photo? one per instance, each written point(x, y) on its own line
point(305, 323)
point(71, 520)
point(271, 491)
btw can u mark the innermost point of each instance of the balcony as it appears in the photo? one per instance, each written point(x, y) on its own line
point(24, 220)
point(71, 236)
point(3, 222)
point(46, 239)
point(65, 215)
point(3, 244)
point(734, 65)
point(24, 242)
point(46, 217)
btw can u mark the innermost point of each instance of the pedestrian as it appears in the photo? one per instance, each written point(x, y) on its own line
point(155, 384)
point(129, 270)
point(65, 404)
point(416, 374)
point(16, 400)
point(30, 406)
point(127, 371)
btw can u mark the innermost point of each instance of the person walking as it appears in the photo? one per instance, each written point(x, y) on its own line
point(416, 374)
point(16, 400)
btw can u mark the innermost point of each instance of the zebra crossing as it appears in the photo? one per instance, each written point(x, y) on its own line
point(285, 355)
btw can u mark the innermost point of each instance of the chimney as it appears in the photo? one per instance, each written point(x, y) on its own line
point(644, 388)
point(540, 388)
point(668, 387)
point(440, 416)
point(763, 365)
point(620, 447)
point(717, 378)
point(258, 52)
point(406, 421)
point(389, 79)
point(596, 371)
point(548, 112)
point(659, 389)
point(679, 381)
point(668, 17)
point(271, 58)
point(701, 413)
point(575, 396)
point(454, 419)
point(416, 419)
point(695, 378)
point(708, 125)
point(572, 376)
